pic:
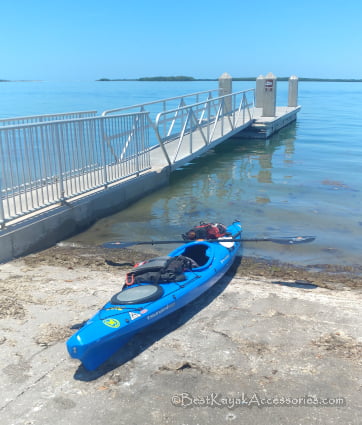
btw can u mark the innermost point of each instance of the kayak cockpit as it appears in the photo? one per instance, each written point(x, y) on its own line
point(197, 253)
point(200, 253)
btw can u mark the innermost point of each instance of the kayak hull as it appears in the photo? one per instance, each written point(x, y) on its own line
point(117, 322)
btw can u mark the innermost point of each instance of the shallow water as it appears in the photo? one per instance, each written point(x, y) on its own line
point(304, 180)
point(261, 183)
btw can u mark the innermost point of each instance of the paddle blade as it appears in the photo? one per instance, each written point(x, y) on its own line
point(293, 240)
point(122, 245)
point(118, 245)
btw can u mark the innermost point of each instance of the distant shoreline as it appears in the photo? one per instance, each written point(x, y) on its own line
point(327, 80)
point(20, 81)
point(191, 79)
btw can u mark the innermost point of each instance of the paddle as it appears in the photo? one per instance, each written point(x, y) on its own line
point(284, 240)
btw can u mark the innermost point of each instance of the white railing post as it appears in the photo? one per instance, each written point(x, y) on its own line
point(191, 129)
point(135, 135)
point(103, 150)
point(245, 105)
point(233, 97)
point(60, 164)
point(208, 120)
point(164, 109)
point(2, 213)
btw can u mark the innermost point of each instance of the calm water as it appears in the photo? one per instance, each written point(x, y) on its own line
point(307, 179)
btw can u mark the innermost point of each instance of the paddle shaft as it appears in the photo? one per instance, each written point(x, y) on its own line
point(285, 240)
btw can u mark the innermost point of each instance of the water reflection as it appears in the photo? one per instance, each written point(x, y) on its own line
point(232, 169)
point(213, 187)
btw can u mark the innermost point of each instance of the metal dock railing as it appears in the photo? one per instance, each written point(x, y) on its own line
point(51, 159)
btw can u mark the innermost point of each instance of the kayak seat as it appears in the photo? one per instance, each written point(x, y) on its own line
point(197, 253)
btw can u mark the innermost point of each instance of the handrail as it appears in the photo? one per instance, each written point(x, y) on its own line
point(203, 102)
point(218, 116)
point(45, 118)
point(153, 102)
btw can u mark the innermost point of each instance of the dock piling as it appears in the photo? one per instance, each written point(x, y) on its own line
point(270, 95)
point(293, 91)
point(225, 89)
point(259, 91)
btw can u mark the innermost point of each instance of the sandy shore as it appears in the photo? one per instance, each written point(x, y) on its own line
point(256, 338)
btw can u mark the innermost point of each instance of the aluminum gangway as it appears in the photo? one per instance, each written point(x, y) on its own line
point(52, 160)
point(183, 130)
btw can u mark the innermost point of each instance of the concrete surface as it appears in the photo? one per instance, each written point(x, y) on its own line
point(277, 349)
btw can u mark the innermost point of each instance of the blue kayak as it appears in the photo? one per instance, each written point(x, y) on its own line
point(141, 304)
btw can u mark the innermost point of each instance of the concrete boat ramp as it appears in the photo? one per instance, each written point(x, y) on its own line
point(249, 351)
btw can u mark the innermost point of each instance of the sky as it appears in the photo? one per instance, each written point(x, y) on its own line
point(76, 40)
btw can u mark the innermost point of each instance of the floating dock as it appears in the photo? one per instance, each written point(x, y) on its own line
point(264, 127)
